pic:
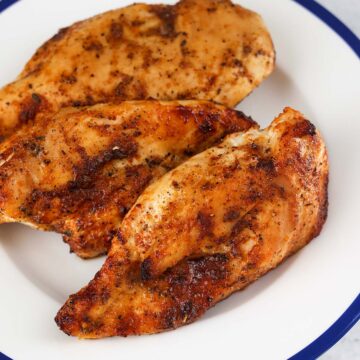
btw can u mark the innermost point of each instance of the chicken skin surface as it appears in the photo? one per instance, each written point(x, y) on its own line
point(195, 49)
point(206, 229)
point(80, 171)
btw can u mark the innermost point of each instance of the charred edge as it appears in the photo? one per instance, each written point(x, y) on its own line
point(170, 317)
point(190, 287)
point(181, 312)
point(60, 34)
point(65, 322)
point(187, 309)
point(242, 116)
point(323, 207)
point(304, 128)
point(71, 319)
point(66, 318)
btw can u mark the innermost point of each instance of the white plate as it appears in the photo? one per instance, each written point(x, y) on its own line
point(317, 73)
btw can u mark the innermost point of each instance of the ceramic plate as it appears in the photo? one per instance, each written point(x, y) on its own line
point(277, 317)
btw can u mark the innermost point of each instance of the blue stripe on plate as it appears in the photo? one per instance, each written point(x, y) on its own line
point(6, 3)
point(4, 357)
point(332, 335)
point(350, 317)
point(332, 21)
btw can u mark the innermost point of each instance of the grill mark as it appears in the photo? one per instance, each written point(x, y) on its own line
point(304, 128)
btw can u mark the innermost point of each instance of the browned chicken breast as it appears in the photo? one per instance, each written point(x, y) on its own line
point(196, 49)
point(80, 171)
point(206, 229)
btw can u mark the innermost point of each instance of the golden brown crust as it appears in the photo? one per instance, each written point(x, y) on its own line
point(206, 229)
point(80, 171)
point(196, 49)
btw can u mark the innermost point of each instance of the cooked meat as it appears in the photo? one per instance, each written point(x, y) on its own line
point(80, 171)
point(196, 49)
point(206, 229)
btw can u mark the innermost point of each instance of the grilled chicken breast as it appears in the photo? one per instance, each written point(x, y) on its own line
point(80, 171)
point(196, 49)
point(206, 229)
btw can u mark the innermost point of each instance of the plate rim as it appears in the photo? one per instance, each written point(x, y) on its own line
point(352, 314)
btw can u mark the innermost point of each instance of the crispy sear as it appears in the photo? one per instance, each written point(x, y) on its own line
point(206, 229)
point(196, 49)
point(80, 171)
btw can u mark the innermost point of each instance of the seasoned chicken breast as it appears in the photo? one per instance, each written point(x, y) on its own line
point(196, 49)
point(206, 229)
point(80, 171)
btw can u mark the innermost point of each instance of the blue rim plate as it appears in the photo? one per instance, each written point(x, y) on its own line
point(352, 314)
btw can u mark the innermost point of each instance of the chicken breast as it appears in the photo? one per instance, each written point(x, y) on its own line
point(206, 229)
point(196, 49)
point(80, 171)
